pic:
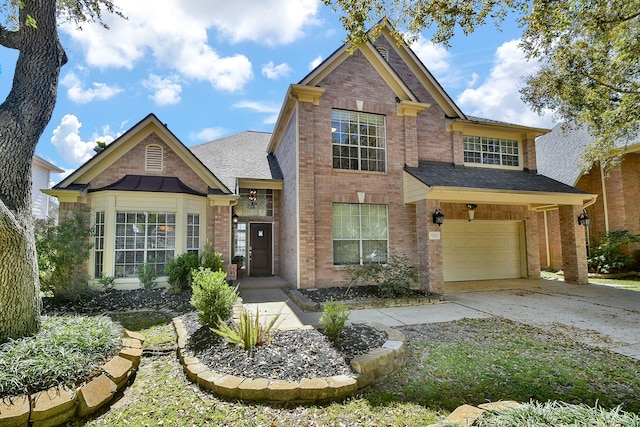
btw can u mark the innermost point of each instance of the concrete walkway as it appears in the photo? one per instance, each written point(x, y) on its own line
point(598, 315)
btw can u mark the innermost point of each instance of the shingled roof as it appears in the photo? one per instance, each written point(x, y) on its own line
point(243, 155)
point(439, 174)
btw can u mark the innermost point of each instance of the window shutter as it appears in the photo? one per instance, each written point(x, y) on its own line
point(154, 158)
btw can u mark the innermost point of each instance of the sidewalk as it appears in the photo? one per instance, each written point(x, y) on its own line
point(594, 314)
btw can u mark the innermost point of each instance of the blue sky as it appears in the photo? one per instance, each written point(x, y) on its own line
point(213, 68)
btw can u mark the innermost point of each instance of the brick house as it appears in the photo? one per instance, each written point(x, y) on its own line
point(367, 151)
point(618, 190)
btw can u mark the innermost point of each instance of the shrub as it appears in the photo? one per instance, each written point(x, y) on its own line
point(211, 259)
point(395, 278)
point(248, 332)
point(610, 255)
point(107, 282)
point(178, 270)
point(147, 275)
point(211, 296)
point(334, 316)
point(61, 250)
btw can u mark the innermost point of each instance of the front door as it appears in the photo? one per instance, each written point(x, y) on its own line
point(260, 250)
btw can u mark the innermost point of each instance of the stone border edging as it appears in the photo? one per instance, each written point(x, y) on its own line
point(58, 405)
point(307, 305)
point(467, 415)
point(368, 368)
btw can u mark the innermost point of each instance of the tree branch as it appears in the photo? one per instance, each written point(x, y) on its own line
point(609, 86)
point(618, 20)
point(10, 39)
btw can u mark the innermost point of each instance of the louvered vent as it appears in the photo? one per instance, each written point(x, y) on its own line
point(154, 158)
point(384, 52)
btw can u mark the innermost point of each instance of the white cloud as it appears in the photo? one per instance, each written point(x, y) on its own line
point(207, 134)
point(66, 138)
point(498, 97)
point(176, 34)
point(315, 62)
point(435, 57)
point(273, 72)
point(259, 107)
point(166, 91)
point(78, 94)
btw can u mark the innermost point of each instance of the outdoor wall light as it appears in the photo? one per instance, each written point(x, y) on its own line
point(471, 208)
point(583, 218)
point(438, 217)
point(234, 218)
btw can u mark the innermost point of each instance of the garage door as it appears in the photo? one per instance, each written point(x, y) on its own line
point(481, 250)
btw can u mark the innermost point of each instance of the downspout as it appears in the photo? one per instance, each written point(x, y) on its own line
point(604, 200)
point(546, 238)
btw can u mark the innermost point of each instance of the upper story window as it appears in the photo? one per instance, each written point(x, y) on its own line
point(359, 141)
point(154, 160)
point(491, 151)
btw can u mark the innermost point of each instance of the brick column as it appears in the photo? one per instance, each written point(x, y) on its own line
point(429, 251)
point(531, 237)
point(574, 245)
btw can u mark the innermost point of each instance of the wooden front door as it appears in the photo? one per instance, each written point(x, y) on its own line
point(261, 244)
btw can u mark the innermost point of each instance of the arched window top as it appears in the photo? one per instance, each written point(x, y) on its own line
point(154, 158)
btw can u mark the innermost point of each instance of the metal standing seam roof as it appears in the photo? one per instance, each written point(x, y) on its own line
point(153, 184)
point(440, 174)
point(243, 155)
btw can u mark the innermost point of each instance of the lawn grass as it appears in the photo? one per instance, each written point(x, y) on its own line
point(467, 361)
point(156, 328)
point(66, 350)
point(631, 283)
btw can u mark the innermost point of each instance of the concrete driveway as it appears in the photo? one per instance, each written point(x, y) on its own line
point(597, 315)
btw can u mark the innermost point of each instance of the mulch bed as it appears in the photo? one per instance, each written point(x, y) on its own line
point(354, 293)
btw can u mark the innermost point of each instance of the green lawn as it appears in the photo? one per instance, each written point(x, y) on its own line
point(468, 361)
point(632, 283)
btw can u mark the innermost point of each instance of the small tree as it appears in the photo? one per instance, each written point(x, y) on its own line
point(211, 259)
point(62, 250)
point(212, 296)
point(395, 278)
point(179, 270)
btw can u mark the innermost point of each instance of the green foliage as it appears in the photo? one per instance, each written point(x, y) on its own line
point(66, 351)
point(589, 53)
point(394, 279)
point(557, 413)
point(107, 282)
point(61, 250)
point(212, 296)
point(211, 259)
point(248, 333)
point(178, 270)
point(147, 275)
point(334, 316)
point(611, 253)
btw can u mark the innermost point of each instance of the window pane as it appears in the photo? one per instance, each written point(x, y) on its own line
point(360, 233)
point(488, 151)
point(356, 137)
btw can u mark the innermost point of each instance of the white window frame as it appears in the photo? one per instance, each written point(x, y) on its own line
point(369, 232)
point(354, 137)
point(487, 151)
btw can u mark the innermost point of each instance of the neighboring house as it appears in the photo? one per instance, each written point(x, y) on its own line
point(367, 150)
point(43, 206)
point(618, 189)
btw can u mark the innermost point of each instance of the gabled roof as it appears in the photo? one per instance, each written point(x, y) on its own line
point(42, 163)
point(150, 124)
point(558, 152)
point(241, 157)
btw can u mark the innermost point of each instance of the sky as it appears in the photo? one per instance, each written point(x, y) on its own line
point(214, 68)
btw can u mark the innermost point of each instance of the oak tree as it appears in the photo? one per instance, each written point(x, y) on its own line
point(31, 29)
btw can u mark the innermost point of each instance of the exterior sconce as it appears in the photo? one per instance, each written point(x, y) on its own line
point(471, 210)
point(234, 218)
point(438, 217)
point(583, 218)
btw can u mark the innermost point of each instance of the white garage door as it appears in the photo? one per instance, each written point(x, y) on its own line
point(481, 250)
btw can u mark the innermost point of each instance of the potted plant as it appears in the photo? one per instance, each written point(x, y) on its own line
point(239, 260)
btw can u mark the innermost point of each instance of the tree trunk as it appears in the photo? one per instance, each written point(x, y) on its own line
point(23, 118)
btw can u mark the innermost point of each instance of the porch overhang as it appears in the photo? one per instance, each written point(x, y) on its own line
point(416, 190)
